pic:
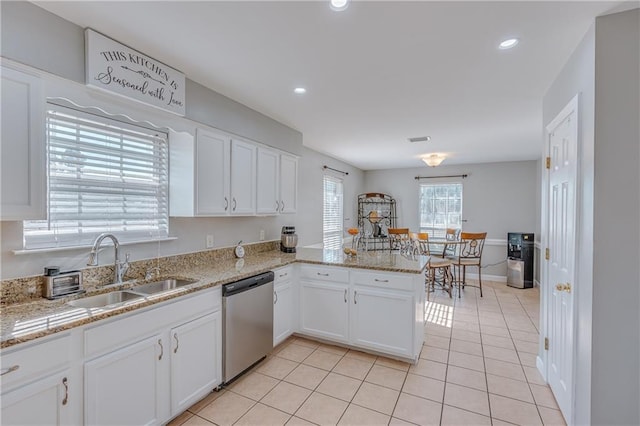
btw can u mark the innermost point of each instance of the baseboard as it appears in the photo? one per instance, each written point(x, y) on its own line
point(496, 278)
point(536, 283)
point(540, 367)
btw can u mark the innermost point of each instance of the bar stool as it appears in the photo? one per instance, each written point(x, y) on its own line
point(469, 254)
point(436, 266)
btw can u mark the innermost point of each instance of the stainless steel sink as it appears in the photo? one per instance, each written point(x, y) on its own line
point(160, 286)
point(112, 299)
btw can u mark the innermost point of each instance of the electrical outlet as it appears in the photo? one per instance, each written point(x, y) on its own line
point(262, 235)
point(210, 241)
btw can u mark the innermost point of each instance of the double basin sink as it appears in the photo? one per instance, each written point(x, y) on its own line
point(117, 298)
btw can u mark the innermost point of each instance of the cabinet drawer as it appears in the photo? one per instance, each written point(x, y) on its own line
point(384, 280)
point(283, 274)
point(35, 360)
point(324, 273)
point(111, 335)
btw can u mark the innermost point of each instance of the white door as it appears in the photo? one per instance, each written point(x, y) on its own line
point(563, 140)
point(324, 310)
point(196, 364)
point(243, 178)
point(288, 184)
point(268, 178)
point(213, 160)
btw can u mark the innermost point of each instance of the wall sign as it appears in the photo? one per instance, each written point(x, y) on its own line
point(117, 68)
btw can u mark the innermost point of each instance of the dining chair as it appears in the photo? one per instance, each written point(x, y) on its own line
point(469, 254)
point(437, 266)
point(398, 238)
point(451, 234)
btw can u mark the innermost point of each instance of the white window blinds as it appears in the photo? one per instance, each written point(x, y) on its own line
point(103, 176)
point(440, 208)
point(332, 217)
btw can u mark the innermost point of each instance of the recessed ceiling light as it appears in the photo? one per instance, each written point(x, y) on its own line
point(420, 139)
point(339, 5)
point(508, 44)
point(299, 90)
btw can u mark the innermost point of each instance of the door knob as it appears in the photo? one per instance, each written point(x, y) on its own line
point(559, 287)
point(567, 288)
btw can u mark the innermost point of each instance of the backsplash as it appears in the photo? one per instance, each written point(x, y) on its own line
point(25, 289)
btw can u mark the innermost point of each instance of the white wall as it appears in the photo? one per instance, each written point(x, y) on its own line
point(497, 198)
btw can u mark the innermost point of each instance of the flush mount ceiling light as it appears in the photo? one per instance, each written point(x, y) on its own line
point(339, 5)
point(299, 90)
point(433, 160)
point(508, 43)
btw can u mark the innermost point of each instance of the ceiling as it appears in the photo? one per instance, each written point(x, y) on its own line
point(376, 74)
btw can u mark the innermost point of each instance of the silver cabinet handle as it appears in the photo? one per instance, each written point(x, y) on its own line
point(9, 370)
point(345, 295)
point(275, 293)
point(381, 281)
point(66, 391)
point(282, 208)
point(226, 203)
point(175, 336)
point(283, 275)
point(355, 297)
point(235, 204)
point(322, 275)
point(161, 349)
point(277, 206)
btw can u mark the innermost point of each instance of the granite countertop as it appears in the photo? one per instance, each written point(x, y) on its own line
point(23, 322)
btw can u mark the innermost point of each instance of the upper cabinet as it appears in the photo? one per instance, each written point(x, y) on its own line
point(22, 143)
point(288, 183)
point(213, 177)
point(243, 178)
point(268, 192)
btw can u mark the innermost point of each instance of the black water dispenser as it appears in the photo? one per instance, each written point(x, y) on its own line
point(520, 250)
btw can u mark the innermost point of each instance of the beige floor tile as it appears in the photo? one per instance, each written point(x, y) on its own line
point(385, 376)
point(543, 396)
point(322, 409)
point(467, 398)
point(393, 363)
point(468, 336)
point(179, 420)
point(497, 422)
point(434, 354)
point(417, 410)
point(376, 397)
point(472, 362)
point(504, 369)
point(306, 376)
point(523, 346)
point(297, 421)
point(295, 352)
point(527, 359)
point(339, 386)
point(197, 421)
point(501, 354)
point(227, 409)
point(497, 341)
point(460, 316)
point(353, 367)
point(254, 385)
point(260, 415)
point(467, 326)
point(437, 330)
point(206, 401)
point(494, 331)
point(286, 397)
point(465, 377)
point(493, 322)
point(424, 387)
point(534, 376)
point(322, 359)
point(513, 411)
point(510, 388)
point(424, 367)
point(356, 415)
point(399, 422)
point(456, 416)
point(337, 350)
point(466, 347)
point(437, 342)
point(523, 335)
point(360, 356)
point(276, 367)
point(303, 341)
point(527, 326)
point(551, 417)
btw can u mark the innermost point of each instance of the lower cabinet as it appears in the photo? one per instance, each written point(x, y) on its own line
point(324, 310)
point(283, 305)
point(125, 386)
point(44, 402)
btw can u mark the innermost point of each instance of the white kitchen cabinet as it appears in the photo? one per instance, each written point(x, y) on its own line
point(324, 310)
point(196, 364)
point(283, 305)
point(243, 178)
point(126, 386)
point(23, 146)
point(268, 182)
point(213, 162)
point(44, 402)
point(288, 183)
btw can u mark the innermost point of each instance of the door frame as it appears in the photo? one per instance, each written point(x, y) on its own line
point(545, 287)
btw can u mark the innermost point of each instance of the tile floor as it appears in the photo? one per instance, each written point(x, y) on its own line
point(477, 367)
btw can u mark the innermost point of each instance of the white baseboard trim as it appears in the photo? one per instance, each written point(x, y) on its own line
point(496, 278)
point(536, 283)
point(540, 367)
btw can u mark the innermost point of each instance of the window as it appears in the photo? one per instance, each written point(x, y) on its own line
point(103, 176)
point(332, 216)
point(440, 208)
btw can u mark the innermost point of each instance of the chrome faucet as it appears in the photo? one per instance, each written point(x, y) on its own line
point(120, 268)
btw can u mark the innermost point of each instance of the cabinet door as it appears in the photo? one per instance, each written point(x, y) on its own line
point(23, 147)
point(196, 360)
point(213, 160)
point(243, 178)
point(383, 320)
point(324, 310)
point(288, 184)
point(126, 386)
point(282, 311)
point(45, 402)
point(268, 197)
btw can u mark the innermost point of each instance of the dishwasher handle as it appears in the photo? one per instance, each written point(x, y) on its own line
point(247, 284)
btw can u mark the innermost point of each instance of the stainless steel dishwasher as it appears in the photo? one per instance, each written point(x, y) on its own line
point(247, 323)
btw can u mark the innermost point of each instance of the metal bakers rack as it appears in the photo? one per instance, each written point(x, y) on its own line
point(376, 214)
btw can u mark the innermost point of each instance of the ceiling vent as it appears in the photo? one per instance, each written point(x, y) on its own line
point(420, 139)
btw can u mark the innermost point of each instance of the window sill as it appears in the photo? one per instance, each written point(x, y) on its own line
point(86, 246)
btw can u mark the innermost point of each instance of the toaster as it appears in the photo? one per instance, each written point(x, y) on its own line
point(63, 284)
